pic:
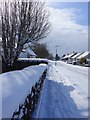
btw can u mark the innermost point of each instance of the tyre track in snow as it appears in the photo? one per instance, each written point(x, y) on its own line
point(57, 101)
point(73, 76)
point(78, 69)
point(67, 100)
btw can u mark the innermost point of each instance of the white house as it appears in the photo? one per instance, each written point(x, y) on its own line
point(65, 57)
point(68, 57)
point(84, 57)
point(27, 52)
point(74, 58)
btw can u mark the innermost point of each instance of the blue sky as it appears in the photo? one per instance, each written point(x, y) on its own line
point(82, 9)
point(69, 27)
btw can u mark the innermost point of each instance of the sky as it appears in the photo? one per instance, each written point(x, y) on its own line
point(69, 27)
point(81, 9)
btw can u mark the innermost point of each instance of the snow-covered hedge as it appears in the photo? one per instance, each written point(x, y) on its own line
point(16, 85)
point(22, 63)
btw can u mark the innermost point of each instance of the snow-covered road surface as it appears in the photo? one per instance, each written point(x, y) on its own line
point(65, 92)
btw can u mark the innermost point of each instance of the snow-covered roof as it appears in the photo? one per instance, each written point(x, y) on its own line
point(77, 55)
point(26, 45)
point(66, 56)
point(29, 51)
point(70, 55)
point(85, 54)
point(26, 52)
point(23, 55)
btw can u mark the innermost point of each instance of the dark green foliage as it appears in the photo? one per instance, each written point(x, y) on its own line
point(57, 57)
point(42, 51)
point(18, 65)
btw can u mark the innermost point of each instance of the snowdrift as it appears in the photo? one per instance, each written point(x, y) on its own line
point(16, 85)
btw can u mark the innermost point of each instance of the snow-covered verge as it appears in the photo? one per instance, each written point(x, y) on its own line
point(65, 92)
point(16, 85)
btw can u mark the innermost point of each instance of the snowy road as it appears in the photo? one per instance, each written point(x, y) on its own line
point(65, 92)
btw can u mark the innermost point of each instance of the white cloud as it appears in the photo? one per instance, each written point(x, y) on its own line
point(66, 32)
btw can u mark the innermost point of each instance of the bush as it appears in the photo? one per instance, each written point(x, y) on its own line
point(82, 60)
point(42, 51)
point(18, 65)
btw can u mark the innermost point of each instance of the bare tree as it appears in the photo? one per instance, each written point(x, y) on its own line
point(42, 51)
point(22, 22)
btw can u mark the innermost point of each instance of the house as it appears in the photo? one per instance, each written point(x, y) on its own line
point(68, 57)
point(65, 57)
point(27, 52)
point(74, 58)
point(84, 58)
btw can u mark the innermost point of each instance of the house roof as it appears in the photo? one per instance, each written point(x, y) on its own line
point(29, 51)
point(23, 55)
point(66, 56)
point(70, 55)
point(26, 45)
point(76, 55)
point(85, 54)
point(26, 52)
